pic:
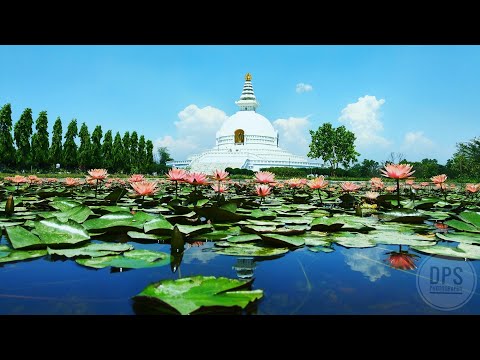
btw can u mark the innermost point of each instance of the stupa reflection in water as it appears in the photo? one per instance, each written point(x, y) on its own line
point(244, 267)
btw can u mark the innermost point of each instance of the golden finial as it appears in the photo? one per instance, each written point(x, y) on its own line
point(248, 77)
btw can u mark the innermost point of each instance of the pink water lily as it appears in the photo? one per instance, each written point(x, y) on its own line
point(264, 177)
point(439, 179)
point(136, 178)
point(262, 190)
point(397, 171)
point(294, 182)
point(220, 175)
point(376, 183)
point(472, 188)
point(98, 174)
point(220, 188)
point(176, 174)
point(371, 195)
point(318, 183)
point(145, 188)
point(349, 186)
point(71, 181)
point(196, 178)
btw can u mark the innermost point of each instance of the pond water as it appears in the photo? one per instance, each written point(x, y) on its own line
point(345, 281)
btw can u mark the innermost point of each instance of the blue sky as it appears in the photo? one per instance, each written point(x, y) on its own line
point(417, 100)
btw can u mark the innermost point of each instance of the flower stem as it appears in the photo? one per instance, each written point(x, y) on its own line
point(96, 187)
point(320, 197)
point(398, 193)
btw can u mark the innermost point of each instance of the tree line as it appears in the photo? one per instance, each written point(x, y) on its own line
point(336, 146)
point(28, 149)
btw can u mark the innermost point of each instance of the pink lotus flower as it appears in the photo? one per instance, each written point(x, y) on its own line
point(220, 188)
point(318, 183)
point(416, 187)
point(294, 183)
point(71, 181)
point(472, 188)
point(303, 181)
point(264, 177)
point(34, 179)
point(409, 182)
point(424, 183)
point(439, 179)
point(196, 178)
point(262, 190)
point(349, 186)
point(391, 188)
point(91, 181)
point(371, 195)
point(52, 180)
point(376, 183)
point(98, 174)
point(397, 171)
point(441, 186)
point(18, 179)
point(176, 174)
point(220, 175)
point(145, 188)
point(136, 178)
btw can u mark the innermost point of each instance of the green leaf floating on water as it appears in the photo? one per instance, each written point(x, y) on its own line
point(9, 255)
point(401, 238)
point(460, 237)
point(53, 231)
point(141, 235)
point(282, 240)
point(351, 240)
point(158, 225)
point(21, 238)
point(243, 238)
point(78, 213)
point(327, 224)
point(262, 214)
point(117, 221)
point(463, 226)
point(133, 259)
point(442, 250)
point(249, 249)
point(187, 295)
point(64, 204)
point(92, 250)
point(471, 217)
point(194, 230)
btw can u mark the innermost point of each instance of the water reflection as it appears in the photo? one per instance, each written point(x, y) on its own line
point(177, 249)
point(244, 267)
point(367, 261)
point(402, 260)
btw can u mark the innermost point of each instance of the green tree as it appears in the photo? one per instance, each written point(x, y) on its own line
point(466, 160)
point(84, 151)
point(126, 152)
point(334, 145)
point(96, 160)
point(141, 154)
point(40, 143)
point(107, 150)
point(69, 146)
point(149, 156)
point(56, 149)
point(22, 132)
point(163, 155)
point(117, 153)
point(7, 150)
point(134, 152)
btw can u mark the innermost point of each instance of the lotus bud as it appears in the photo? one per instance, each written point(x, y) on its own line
point(9, 206)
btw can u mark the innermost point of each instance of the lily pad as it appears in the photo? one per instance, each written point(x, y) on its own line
point(194, 230)
point(53, 231)
point(9, 255)
point(326, 224)
point(321, 249)
point(190, 294)
point(316, 241)
point(262, 214)
point(134, 259)
point(463, 226)
point(460, 237)
point(92, 250)
point(282, 240)
point(64, 204)
point(351, 240)
point(249, 249)
point(243, 238)
point(258, 229)
point(78, 213)
point(441, 250)
point(401, 238)
point(141, 235)
point(21, 238)
point(470, 217)
point(158, 225)
point(115, 222)
point(219, 234)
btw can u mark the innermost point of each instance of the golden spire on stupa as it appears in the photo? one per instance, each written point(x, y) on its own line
point(248, 77)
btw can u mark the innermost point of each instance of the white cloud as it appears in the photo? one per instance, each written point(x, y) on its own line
point(417, 146)
point(302, 87)
point(370, 262)
point(363, 118)
point(294, 135)
point(195, 131)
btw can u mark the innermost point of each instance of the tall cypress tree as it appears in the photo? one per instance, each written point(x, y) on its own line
point(117, 153)
point(126, 151)
point(149, 156)
point(107, 150)
point(141, 154)
point(22, 132)
point(40, 142)
point(56, 152)
point(134, 152)
point(7, 150)
point(84, 151)
point(97, 159)
point(69, 146)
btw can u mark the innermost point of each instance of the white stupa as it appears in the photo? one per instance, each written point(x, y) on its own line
point(246, 140)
